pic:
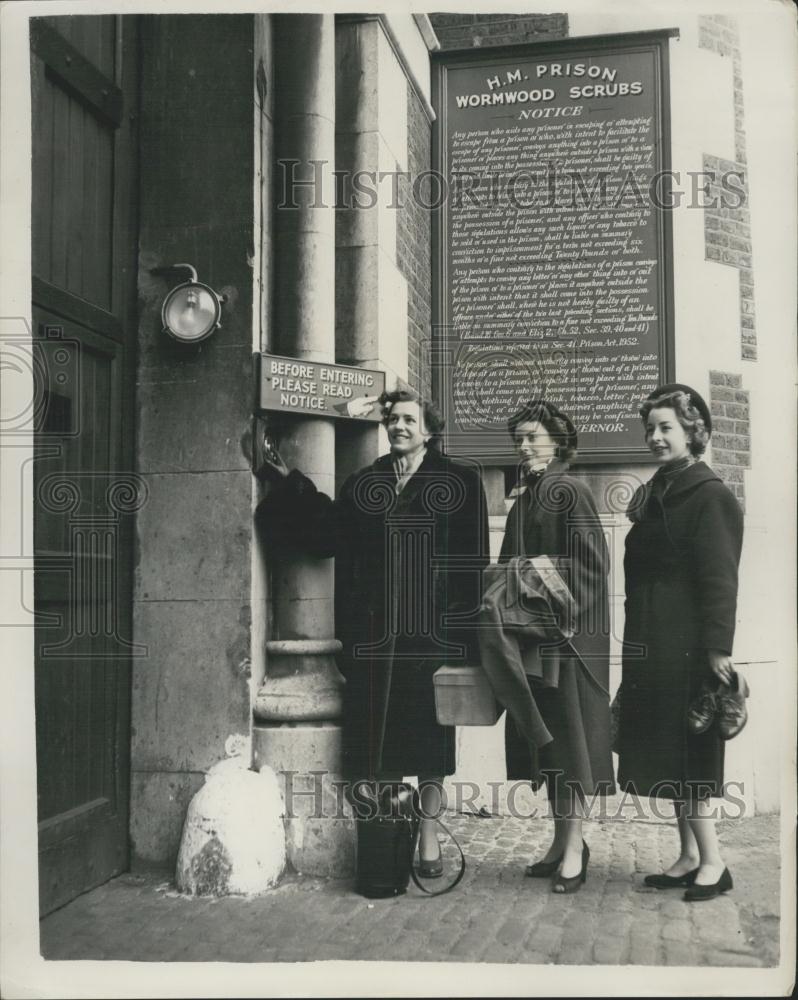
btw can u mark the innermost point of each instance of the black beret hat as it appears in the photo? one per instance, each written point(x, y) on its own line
point(695, 400)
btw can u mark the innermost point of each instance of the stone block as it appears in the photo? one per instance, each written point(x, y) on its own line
point(356, 305)
point(356, 76)
point(309, 257)
point(191, 692)
point(392, 102)
point(195, 424)
point(158, 803)
point(196, 532)
point(360, 191)
point(233, 840)
point(320, 836)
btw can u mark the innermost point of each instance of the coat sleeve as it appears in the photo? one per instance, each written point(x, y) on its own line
point(582, 549)
point(295, 515)
point(715, 546)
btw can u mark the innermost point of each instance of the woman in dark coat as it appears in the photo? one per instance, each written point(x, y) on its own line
point(682, 554)
point(409, 537)
point(555, 516)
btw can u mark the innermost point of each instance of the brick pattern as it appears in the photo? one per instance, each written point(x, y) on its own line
point(731, 430)
point(465, 31)
point(413, 251)
point(727, 230)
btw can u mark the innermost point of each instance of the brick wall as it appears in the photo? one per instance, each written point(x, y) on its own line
point(731, 430)
point(465, 31)
point(413, 250)
point(727, 228)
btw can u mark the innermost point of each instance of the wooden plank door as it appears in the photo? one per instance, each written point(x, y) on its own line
point(84, 92)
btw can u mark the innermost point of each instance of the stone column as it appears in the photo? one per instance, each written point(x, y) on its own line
point(371, 306)
point(296, 711)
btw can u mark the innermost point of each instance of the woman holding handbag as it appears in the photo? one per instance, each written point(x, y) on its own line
point(555, 516)
point(682, 554)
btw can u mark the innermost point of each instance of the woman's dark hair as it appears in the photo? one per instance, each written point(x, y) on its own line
point(557, 424)
point(687, 415)
point(433, 421)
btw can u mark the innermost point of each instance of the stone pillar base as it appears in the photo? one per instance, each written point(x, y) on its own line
point(319, 830)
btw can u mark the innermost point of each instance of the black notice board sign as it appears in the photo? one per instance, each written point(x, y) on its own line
point(553, 255)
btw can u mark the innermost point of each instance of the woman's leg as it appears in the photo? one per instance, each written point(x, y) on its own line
point(430, 797)
point(557, 846)
point(702, 826)
point(688, 858)
point(572, 844)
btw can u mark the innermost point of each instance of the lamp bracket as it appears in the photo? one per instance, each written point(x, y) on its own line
point(172, 268)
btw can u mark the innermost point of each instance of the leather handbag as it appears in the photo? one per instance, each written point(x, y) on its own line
point(387, 838)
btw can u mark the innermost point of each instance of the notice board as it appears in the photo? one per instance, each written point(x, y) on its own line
point(552, 245)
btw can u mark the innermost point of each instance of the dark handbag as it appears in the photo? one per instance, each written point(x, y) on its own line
point(387, 837)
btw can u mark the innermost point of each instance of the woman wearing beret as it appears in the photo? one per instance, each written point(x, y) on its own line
point(555, 515)
point(682, 554)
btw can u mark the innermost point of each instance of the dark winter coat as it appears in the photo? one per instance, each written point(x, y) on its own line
point(390, 608)
point(557, 517)
point(682, 554)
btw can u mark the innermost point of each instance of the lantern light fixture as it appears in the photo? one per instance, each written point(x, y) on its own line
point(192, 310)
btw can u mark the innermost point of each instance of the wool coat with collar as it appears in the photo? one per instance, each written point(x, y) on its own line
point(556, 516)
point(681, 565)
point(404, 562)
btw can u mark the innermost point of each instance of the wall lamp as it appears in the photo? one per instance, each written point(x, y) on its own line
point(191, 311)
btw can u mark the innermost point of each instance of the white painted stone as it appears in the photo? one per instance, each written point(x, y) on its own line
point(233, 837)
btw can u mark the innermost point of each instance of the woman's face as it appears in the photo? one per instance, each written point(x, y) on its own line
point(534, 444)
point(405, 427)
point(665, 436)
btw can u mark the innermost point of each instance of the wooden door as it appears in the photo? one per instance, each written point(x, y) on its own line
point(84, 91)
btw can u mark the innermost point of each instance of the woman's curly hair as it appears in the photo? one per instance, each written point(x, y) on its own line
point(433, 421)
point(687, 415)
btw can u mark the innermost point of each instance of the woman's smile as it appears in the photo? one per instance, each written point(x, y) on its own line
point(667, 440)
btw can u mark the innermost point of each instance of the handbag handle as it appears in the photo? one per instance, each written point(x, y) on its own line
point(414, 845)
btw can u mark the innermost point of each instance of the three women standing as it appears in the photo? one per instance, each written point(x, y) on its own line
point(682, 555)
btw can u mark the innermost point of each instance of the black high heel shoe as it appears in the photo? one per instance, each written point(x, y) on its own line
point(542, 869)
point(563, 885)
point(430, 867)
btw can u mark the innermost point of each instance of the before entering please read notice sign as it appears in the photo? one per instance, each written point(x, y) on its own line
point(317, 388)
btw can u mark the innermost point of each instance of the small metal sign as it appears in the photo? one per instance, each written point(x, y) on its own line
point(319, 389)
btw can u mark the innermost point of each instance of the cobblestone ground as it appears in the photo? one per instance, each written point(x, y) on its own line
point(494, 915)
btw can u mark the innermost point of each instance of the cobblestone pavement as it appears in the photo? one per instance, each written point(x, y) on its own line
point(495, 915)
